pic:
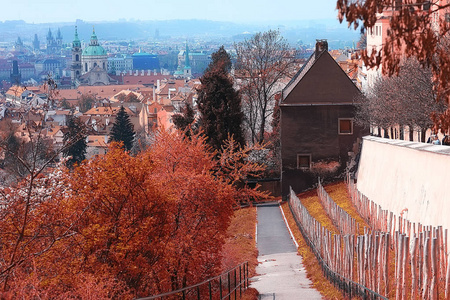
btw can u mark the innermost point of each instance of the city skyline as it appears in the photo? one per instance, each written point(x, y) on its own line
point(216, 10)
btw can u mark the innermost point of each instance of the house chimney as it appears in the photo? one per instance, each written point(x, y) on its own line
point(321, 46)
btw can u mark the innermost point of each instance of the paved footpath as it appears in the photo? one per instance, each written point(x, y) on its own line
point(282, 275)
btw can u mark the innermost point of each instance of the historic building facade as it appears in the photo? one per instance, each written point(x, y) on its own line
point(90, 65)
point(93, 56)
point(318, 133)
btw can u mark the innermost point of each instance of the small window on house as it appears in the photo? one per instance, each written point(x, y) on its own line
point(345, 126)
point(303, 161)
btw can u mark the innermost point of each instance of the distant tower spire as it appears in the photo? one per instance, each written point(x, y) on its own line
point(187, 65)
point(94, 40)
point(76, 41)
point(76, 58)
point(186, 58)
point(59, 35)
point(15, 76)
point(36, 44)
point(49, 35)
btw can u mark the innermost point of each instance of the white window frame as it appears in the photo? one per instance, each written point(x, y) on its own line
point(351, 126)
point(298, 161)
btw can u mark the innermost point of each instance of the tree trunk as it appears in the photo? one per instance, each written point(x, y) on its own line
point(262, 129)
point(422, 135)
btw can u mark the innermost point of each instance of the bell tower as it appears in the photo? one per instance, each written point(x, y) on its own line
point(187, 65)
point(76, 58)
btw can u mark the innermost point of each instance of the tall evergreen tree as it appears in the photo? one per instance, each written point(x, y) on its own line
point(185, 120)
point(123, 130)
point(219, 103)
point(75, 142)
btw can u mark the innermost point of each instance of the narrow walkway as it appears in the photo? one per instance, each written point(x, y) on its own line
point(282, 275)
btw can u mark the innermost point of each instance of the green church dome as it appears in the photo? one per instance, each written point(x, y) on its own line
point(94, 49)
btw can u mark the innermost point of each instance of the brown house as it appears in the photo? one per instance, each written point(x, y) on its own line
point(318, 133)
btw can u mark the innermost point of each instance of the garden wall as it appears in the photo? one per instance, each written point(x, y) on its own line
point(408, 177)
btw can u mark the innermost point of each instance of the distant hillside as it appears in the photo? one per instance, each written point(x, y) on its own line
point(306, 31)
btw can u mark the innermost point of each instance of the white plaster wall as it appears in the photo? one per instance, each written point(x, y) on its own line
point(400, 174)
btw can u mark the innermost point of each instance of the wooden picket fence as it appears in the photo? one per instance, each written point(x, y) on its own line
point(341, 219)
point(336, 253)
point(420, 252)
point(394, 257)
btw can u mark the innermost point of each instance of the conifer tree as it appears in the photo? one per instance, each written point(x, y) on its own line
point(185, 120)
point(123, 130)
point(75, 142)
point(219, 103)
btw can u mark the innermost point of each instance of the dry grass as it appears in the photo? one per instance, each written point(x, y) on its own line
point(312, 203)
point(250, 294)
point(240, 245)
point(339, 193)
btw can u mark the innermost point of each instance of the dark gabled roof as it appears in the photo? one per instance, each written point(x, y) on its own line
point(320, 81)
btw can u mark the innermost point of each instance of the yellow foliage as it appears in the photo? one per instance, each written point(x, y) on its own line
point(313, 269)
point(339, 193)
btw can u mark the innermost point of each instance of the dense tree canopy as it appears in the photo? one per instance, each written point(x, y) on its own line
point(123, 130)
point(122, 226)
point(219, 103)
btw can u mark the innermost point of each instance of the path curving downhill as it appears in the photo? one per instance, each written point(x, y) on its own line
point(282, 275)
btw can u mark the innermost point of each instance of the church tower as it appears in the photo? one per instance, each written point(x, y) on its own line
point(59, 38)
point(187, 65)
point(50, 43)
point(76, 58)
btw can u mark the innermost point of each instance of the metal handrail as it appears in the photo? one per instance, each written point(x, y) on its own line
point(241, 285)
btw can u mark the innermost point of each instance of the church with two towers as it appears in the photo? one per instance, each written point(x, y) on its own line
point(89, 65)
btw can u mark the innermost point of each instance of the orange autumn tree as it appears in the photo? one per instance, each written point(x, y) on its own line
point(120, 226)
point(33, 220)
point(155, 222)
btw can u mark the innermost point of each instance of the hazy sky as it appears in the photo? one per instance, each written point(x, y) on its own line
point(43, 11)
